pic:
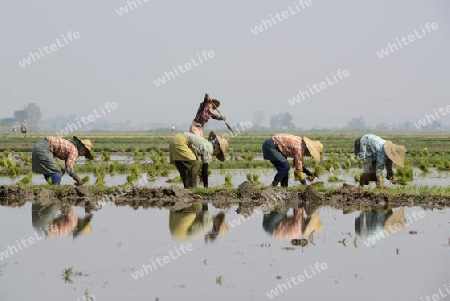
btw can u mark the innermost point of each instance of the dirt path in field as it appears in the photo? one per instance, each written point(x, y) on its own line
point(348, 198)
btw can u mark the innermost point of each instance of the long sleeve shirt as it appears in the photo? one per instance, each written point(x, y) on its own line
point(187, 146)
point(204, 114)
point(291, 146)
point(64, 150)
point(371, 149)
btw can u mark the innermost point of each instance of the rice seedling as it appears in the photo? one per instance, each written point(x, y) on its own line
point(319, 170)
point(228, 180)
point(85, 179)
point(405, 173)
point(27, 179)
point(105, 156)
point(424, 167)
point(100, 181)
point(333, 179)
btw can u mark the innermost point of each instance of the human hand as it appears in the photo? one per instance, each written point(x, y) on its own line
point(310, 178)
point(77, 179)
point(224, 118)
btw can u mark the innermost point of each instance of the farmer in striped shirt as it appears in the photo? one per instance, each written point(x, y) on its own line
point(376, 154)
point(204, 113)
point(45, 151)
point(281, 146)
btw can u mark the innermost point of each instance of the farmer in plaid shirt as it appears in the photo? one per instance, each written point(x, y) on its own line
point(45, 151)
point(376, 154)
point(204, 113)
point(280, 146)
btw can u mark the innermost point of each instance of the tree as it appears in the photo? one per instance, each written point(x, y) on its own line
point(282, 121)
point(21, 115)
point(357, 124)
point(34, 114)
point(259, 116)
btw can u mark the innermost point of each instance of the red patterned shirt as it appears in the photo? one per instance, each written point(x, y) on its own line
point(291, 146)
point(204, 114)
point(64, 150)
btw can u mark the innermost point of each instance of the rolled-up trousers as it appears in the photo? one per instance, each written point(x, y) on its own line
point(188, 172)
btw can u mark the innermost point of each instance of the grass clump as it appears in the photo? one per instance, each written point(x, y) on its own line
point(228, 180)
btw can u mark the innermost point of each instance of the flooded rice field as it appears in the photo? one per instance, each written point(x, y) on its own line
point(207, 252)
point(217, 177)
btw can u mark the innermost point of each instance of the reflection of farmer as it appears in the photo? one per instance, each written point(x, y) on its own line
point(187, 149)
point(282, 226)
point(204, 113)
point(371, 223)
point(43, 218)
point(375, 154)
point(281, 146)
point(196, 221)
point(44, 151)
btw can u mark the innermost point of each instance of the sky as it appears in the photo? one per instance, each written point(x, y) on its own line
point(118, 58)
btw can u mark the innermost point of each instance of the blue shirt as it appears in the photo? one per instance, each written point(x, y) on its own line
point(371, 149)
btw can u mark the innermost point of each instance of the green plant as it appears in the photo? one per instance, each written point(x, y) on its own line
point(228, 179)
point(319, 170)
point(333, 179)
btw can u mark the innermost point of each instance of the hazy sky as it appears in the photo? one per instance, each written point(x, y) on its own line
point(118, 58)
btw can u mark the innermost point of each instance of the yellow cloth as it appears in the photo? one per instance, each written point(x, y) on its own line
point(315, 224)
point(179, 150)
point(181, 221)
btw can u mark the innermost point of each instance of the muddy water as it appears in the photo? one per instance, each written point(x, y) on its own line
point(245, 259)
point(217, 177)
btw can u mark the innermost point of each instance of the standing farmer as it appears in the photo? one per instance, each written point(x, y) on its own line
point(187, 149)
point(279, 147)
point(375, 154)
point(204, 113)
point(43, 161)
point(24, 128)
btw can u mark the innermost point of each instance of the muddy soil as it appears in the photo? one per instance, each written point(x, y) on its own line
point(348, 198)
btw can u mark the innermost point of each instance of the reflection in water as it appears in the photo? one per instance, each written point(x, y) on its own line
point(284, 226)
point(43, 217)
point(372, 222)
point(196, 221)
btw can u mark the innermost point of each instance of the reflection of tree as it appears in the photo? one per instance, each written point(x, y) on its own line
point(282, 121)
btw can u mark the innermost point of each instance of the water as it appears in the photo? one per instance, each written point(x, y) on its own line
point(217, 178)
point(241, 262)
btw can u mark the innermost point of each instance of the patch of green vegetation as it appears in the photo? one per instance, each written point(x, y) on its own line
point(333, 179)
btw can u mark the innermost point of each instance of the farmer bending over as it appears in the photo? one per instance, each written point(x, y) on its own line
point(187, 149)
point(375, 154)
point(45, 151)
point(279, 147)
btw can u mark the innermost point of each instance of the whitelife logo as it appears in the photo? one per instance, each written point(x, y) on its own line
point(11, 250)
point(89, 119)
point(124, 9)
point(319, 87)
point(370, 241)
point(423, 122)
point(52, 48)
point(162, 261)
point(188, 66)
point(266, 24)
point(319, 267)
point(391, 48)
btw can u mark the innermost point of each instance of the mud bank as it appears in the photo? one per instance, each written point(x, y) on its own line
point(348, 198)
